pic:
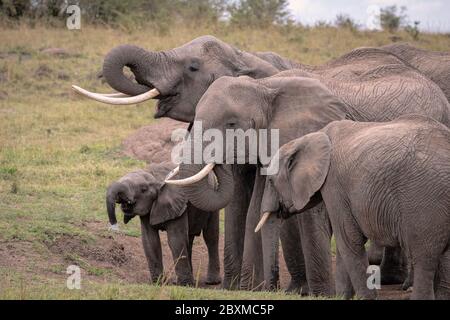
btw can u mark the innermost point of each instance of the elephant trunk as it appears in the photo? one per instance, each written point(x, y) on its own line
point(112, 196)
point(137, 59)
point(207, 195)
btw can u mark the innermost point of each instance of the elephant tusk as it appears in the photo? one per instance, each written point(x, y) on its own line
point(262, 221)
point(195, 178)
point(114, 95)
point(173, 173)
point(117, 100)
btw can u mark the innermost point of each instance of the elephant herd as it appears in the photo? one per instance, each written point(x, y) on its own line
point(364, 156)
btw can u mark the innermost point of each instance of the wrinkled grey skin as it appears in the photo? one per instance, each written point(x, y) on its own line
point(297, 106)
point(435, 65)
point(183, 74)
point(164, 208)
point(387, 182)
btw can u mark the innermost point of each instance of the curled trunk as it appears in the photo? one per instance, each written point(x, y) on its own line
point(133, 57)
point(205, 195)
point(112, 196)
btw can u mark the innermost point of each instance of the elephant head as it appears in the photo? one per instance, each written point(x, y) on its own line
point(140, 193)
point(177, 77)
point(294, 105)
point(303, 167)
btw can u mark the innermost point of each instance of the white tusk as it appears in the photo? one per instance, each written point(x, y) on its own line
point(114, 95)
point(114, 228)
point(262, 221)
point(173, 173)
point(117, 101)
point(195, 178)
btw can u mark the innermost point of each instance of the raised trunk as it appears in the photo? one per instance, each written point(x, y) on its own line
point(207, 196)
point(133, 57)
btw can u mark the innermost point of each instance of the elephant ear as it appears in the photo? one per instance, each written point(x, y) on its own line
point(308, 167)
point(170, 204)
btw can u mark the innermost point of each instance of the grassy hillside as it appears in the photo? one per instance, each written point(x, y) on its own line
point(58, 152)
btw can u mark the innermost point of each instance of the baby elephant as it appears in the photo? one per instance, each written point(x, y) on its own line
point(387, 182)
point(164, 207)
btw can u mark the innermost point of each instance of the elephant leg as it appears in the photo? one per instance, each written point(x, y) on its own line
point(293, 255)
point(344, 286)
point(252, 275)
point(178, 239)
point(350, 242)
point(442, 284)
point(191, 244)
point(409, 281)
point(375, 254)
point(424, 274)
point(394, 268)
point(235, 217)
point(211, 237)
point(315, 233)
point(152, 250)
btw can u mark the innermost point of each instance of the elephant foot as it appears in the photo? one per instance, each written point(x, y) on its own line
point(296, 287)
point(213, 279)
point(185, 282)
point(408, 283)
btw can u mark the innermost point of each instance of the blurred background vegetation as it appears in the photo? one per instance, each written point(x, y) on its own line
point(164, 14)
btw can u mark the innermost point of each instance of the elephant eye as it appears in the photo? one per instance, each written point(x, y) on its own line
point(290, 163)
point(144, 188)
point(194, 66)
point(231, 124)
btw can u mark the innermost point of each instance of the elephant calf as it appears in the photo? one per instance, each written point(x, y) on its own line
point(387, 182)
point(163, 207)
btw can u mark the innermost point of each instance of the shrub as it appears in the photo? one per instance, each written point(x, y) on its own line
point(346, 22)
point(391, 19)
point(259, 13)
point(413, 31)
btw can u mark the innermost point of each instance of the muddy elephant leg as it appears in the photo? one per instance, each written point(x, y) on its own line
point(344, 286)
point(235, 217)
point(293, 255)
point(252, 274)
point(178, 239)
point(394, 267)
point(211, 236)
point(152, 250)
point(315, 233)
point(442, 282)
point(375, 254)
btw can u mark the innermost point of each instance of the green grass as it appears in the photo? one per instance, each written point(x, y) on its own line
point(58, 152)
point(16, 286)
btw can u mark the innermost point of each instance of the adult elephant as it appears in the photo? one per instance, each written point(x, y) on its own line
point(179, 77)
point(435, 65)
point(392, 186)
point(298, 105)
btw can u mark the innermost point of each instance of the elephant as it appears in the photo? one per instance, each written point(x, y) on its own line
point(162, 207)
point(297, 105)
point(388, 182)
point(435, 65)
point(180, 76)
